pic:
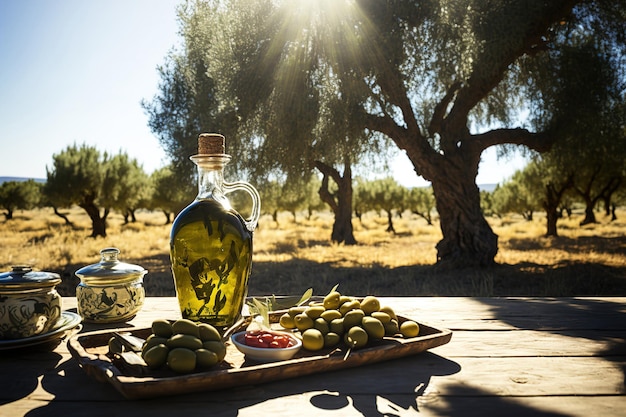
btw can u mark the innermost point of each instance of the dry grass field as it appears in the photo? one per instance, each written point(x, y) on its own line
point(290, 257)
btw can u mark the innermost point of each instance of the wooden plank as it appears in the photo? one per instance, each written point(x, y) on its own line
point(323, 403)
point(517, 313)
point(518, 376)
point(462, 313)
point(534, 343)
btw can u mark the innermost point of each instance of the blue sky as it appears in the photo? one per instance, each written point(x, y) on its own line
point(75, 72)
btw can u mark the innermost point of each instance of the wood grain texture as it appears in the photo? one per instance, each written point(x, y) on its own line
point(508, 356)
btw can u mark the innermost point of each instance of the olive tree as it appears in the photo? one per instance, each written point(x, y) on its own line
point(323, 83)
point(19, 195)
point(94, 181)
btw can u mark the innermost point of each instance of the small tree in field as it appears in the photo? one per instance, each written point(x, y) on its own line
point(421, 201)
point(126, 186)
point(19, 195)
point(77, 176)
point(169, 193)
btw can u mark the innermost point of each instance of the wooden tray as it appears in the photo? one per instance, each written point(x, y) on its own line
point(90, 350)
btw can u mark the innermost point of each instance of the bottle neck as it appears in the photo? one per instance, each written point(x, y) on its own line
point(210, 176)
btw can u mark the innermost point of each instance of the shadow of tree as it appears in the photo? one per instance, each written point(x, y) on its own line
point(593, 319)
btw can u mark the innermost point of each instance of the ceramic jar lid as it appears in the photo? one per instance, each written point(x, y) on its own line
point(22, 277)
point(110, 270)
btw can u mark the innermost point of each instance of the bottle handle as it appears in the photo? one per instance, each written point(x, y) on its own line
point(252, 222)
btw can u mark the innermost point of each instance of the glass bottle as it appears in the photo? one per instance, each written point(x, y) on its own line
point(211, 244)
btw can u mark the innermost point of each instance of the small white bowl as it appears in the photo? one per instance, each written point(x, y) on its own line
point(266, 354)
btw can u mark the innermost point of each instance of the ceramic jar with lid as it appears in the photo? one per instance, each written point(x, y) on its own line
point(110, 291)
point(29, 302)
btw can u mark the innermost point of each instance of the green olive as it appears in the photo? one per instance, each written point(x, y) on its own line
point(156, 356)
point(287, 322)
point(181, 360)
point(331, 339)
point(348, 306)
point(374, 328)
point(353, 318)
point(356, 337)
point(206, 358)
point(332, 300)
point(336, 326)
point(185, 326)
point(321, 325)
point(162, 328)
point(216, 346)
point(391, 327)
point(151, 341)
point(330, 315)
point(382, 316)
point(409, 328)
point(184, 341)
point(370, 304)
point(208, 332)
point(314, 311)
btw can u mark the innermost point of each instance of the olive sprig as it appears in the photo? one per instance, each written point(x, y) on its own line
point(260, 309)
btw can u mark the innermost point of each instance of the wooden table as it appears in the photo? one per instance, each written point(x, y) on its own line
point(507, 356)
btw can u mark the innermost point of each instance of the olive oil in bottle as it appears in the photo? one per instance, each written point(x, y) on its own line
point(211, 244)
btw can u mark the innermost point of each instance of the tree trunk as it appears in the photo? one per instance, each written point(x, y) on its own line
point(98, 224)
point(339, 202)
point(390, 227)
point(63, 216)
point(590, 216)
point(551, 204)
point(468, 240)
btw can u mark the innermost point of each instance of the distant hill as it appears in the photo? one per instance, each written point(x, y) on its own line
point(5, 179)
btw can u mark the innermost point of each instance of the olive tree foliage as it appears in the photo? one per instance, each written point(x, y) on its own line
point(383, 196)
point(186, 104)
point(444, 80)
point(521, 194)
point(127, 186)
point(293, 113)
point(76, 178)
point(94, 181)
point(591, 145)
point(19, 195)
point(280, 195)
point(421, 201)
point(168, 194)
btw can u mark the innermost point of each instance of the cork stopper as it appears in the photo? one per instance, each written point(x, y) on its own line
point(211, 144)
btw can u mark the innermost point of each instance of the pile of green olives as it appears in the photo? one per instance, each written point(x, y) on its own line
point(183, 346)
point(339, 318)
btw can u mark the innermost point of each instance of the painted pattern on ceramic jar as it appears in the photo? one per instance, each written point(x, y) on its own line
point(29, 302)
point(110, 291)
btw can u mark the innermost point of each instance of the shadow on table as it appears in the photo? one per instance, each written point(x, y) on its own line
point(402, 387)
point(588, 318)
point(11, 363)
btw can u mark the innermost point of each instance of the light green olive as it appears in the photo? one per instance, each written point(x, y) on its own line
point(186, 326)
point(208, 332)
point(206, 358)
point(184, 341)
point(181, 360)
point(216, 346)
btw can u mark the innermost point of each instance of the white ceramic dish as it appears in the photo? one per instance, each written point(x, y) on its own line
point(266, 354)
point(66, 322)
